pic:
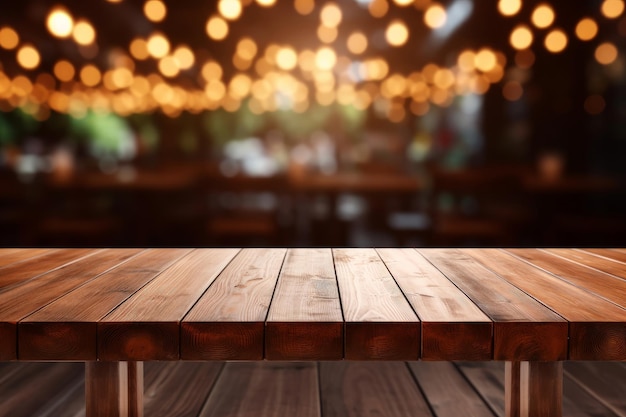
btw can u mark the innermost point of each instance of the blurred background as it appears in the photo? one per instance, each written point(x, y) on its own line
point(313, 122)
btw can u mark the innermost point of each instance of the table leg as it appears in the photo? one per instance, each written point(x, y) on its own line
point(114, 389)
point(541, 389)
point(512, 389)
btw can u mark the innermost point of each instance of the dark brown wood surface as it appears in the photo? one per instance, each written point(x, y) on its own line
point(66, 328)
point(305, 321)
point(524, 329)
point(18, 302)
point(379, 322)
point(228, 322)
point(541, 389)
point(453, 327)
point(597, 328)
point(146, 325)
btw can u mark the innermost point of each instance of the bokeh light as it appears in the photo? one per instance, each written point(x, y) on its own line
point(521, 37)
point(230, 9)
point(60, 23)
point(158, 46)
point(304, 7)
point(435, 16)
point(217, 28)
point(9, 38)
point(606, 53)
point(357, 43)
point(83, 33)
point(325, 58)
point(64, 70)
point(90, 75)
point(509, 7)
point(397, 33)
point(556, 41)
point(286, 58)
point(155, 10)
point(28, 57)
point(586, 29)
point(612, 9)
point(543, 16)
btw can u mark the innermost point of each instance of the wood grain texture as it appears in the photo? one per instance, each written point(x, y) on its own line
point(512, 379)
point(541, 389)
point(610, 266)
point(106, 389)
point(596, 327)
point(606, 286)
point(524, 329)
point(305, 320)
point(21, 272)
point(263, 389)
point(228, 322)
point(453, 327)
point(66, 329)
point(178, 388)
point(380, 323)
point(447, 392)
point(604, 381)
point(612, 254)
point(9, 256)
point(20, 301)
point(135, 389)
point(146, 326)
point(368, 389)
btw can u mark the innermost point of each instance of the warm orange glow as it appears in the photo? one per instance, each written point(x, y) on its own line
point(525, 58)
point(357, 43)
point(444, 78)
point(60, 23)
point(509, 7)
point(612, 8)
point(543, 16)
point(158, 45)
point(304, 7)
point(286, 58)
point(230, 9)
point(466, 61)
point(586, 29)
point(397, 33)
point(419, 108)
point(168, 66)
point(155, 10)
point(485, 60)
point(90, 75)
point(83, 33)
point(217, 28)
point(521, 37)
point(378, 8)
point(327, 34)
point(266, 3)
point(331, 15)
point(606, 53)
point(64, 71)
point(246, 48)
point(28, 57)
point(435, 16)
point(9, 38)
point(139, 49)
point(121, 77)
point(512, 91)
point(212, 71)
point(184, 57)
point(325, 58)
point(215, 90)
point(556, 41)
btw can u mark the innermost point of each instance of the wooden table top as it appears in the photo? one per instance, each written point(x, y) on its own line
point(313, 304)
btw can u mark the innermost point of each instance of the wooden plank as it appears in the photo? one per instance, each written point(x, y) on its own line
point(512, 378)
point(610, 266)
point(605, 381)
point(263, 389)
point(107, 390)
point(523, 328)
point(604, 285)
point(488, 379)
point(596, 327)
point(20, 273)
point(541, 389)
point(355, 389)
point(179, 388)
point(10, 256)
point(305, 320)
point(447, 392)
point(228, 322)
point(453, 327)
point(20, 301)
point(66, 329)
point(380, 323)
point(612, 254)
point(146, 326)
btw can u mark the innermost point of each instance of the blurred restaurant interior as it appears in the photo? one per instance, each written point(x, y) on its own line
point(313, 123)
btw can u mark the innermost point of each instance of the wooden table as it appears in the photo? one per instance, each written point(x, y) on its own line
point(115, 308)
